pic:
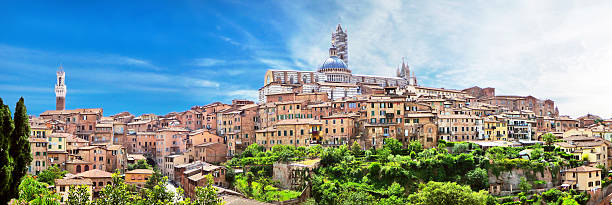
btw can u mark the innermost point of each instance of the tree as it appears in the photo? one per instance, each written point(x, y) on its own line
point(158, 194)
point(549, 138)
point(478, 179)
point(447, 193)
point(207, 195)
point(20, 146)
point(415, 146)
point(78, 195)
point(392, 145)
point(460, 148)
point(356, 148)
point(35, 192)
point(115, 194)
point(50, 175)
point(230, 176)
point(6, 162)
point(524, 184)
point(140, 164)
point(155, 179)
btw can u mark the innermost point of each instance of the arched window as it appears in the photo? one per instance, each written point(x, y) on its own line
point(78, 168)
point(86, 167)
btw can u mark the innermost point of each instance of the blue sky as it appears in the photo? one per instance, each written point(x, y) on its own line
point(163, 56)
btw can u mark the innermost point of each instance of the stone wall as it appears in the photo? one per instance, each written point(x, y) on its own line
point(282, 173)
point(509, 181)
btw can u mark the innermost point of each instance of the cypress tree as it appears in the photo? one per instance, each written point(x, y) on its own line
point(20, 147)
point(6, 163)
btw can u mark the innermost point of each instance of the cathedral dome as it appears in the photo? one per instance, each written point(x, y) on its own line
point(334, 63)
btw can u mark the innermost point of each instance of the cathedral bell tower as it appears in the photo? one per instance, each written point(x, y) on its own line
point(339, 41)
point(60, 90)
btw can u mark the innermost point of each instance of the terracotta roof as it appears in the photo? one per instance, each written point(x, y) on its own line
point(458, 117)
point(206, 144)
point(210, 167)
point(114, 147)
point(140, 171)
point(72, 138)
point(95, 173)
point(583, 169)
point(137, 156)
point(196, 177)
point(299, 122)
point(104, 125)
point(73, 182)
point(32, 139)
point(77, 161)
point(80, 111)
point(63, 135)
point(174, 129)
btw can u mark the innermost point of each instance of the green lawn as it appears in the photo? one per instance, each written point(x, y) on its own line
point(271, 193)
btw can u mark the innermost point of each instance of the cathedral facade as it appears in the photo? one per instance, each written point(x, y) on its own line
point(333, 76)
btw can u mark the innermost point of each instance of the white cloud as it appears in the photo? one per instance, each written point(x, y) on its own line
point(203, 83)
point(245, 94)
point(17, 54)
point(549, 49)
point(207, 62)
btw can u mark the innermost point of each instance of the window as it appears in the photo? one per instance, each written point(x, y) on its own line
point(62, 188)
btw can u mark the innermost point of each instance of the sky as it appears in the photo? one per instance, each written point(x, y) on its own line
point(164, 56)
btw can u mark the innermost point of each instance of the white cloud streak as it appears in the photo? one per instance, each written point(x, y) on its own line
point(549, 49)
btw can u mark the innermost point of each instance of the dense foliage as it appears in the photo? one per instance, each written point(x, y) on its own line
point(32, 191)
point(14, 149)
point(396, 173)
point(140, 164)
point(50, 174)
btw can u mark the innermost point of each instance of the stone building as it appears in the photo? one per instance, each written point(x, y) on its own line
point(339, 129)
point(457, 127)
point(170, 141)
point(98, 178)
point(582, 178)
point(294, 132)
point(39, 152)
point(333, 76)
point(479, 93)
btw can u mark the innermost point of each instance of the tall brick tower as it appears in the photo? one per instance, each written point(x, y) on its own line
point(339, 41)
point(60, 90)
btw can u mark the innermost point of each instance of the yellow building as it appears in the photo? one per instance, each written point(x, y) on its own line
point(62, 187)
point(39, 131)
point(57, 142)
point(582, 178)
point(578, 132)
point(592, 148)
point(138, 176)
point(496, 129)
